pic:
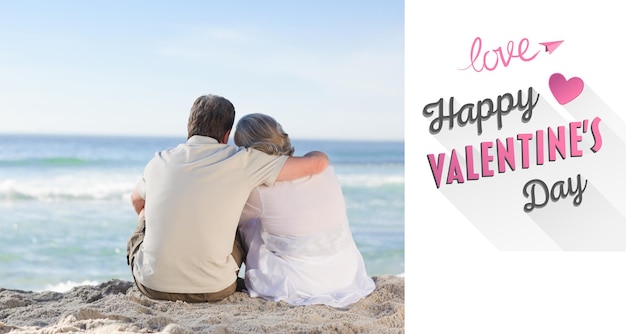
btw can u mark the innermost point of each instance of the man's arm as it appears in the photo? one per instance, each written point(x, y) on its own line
point(296, 167)
point(138, 202)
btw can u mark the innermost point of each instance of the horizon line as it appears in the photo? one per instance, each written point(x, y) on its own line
point(123, 135)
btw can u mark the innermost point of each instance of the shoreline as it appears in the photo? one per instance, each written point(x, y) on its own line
point(116, 306)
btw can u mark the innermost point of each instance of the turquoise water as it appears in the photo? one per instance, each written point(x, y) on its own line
point(65, 213)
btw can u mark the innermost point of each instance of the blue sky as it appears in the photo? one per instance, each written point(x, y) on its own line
point(324, 69)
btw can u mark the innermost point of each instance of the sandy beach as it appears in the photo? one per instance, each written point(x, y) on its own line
point(117, 306)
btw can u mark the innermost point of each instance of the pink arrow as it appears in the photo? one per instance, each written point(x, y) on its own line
point(551, 46)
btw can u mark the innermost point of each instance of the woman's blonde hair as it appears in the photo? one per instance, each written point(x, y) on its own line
point(262, 132)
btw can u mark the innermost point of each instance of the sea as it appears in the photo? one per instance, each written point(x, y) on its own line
point(65, 212)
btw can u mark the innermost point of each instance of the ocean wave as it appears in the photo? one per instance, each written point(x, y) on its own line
point(56, 161)
point(368, 161)
point(115, 186)
point(67, 188)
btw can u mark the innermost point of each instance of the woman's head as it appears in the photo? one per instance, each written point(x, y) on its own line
point(262, 132)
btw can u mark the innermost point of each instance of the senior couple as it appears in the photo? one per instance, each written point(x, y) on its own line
point(206, 207)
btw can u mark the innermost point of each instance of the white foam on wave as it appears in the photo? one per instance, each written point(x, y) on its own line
point(370, 180)
point(68, 187)
point(67, 285)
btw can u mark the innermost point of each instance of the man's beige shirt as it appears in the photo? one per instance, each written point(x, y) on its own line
point(194, 196)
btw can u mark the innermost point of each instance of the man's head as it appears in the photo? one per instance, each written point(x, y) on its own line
point(211, 116)
point(262, 132)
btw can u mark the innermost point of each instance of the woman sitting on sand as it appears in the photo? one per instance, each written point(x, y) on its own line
point(299, 245)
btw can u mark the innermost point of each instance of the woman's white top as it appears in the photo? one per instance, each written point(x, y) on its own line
point(300, 248)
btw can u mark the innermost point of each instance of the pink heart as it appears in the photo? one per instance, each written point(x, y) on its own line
point(565, 90)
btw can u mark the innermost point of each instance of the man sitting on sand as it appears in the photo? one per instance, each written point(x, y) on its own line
point(189, 201)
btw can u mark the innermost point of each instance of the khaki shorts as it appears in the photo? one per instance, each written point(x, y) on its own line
point(132, 247)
